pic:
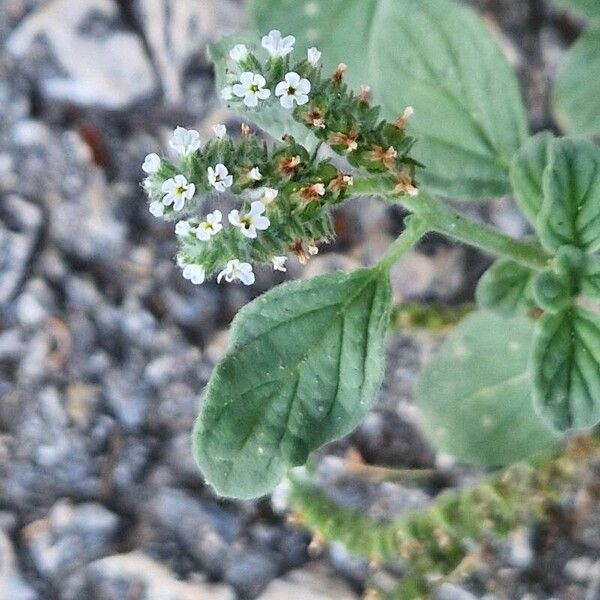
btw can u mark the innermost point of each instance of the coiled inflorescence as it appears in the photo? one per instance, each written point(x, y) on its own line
point(239, 204)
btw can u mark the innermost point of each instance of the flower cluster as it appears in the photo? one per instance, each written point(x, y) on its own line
point(240, 204)
point(258, 77)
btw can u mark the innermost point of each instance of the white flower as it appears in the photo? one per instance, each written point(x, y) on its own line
point(210, 227)
point(293, 89)
point(219, 177)
point(195, 273)
point(220, 131)
point(237, 270)
point(251, 221)
point(227, 93)
point(177, 190)
point(255, 174)
point(279, 263)
point(238, 53)
point(182, 228)
point(157, 209)
point(276, 46)
point(251, 88)
point(266, 195)
point(151, 164)
point(184, 141)
point(314, 56)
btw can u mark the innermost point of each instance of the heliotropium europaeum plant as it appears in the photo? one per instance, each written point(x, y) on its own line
point(306, 359)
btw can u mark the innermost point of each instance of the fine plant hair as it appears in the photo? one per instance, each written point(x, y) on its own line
point(513, 381)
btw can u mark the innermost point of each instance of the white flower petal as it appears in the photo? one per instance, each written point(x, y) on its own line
point(246, 78)
point(292, 78)
point(220, 131)
point(157, 209)
point(151, 164)
point(251, 101)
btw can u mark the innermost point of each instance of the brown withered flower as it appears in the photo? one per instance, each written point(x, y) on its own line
point(313, 192)
point(338, 76)
point(387, 157)
point(245, 130)
point(402, 120)
point(315, 117)
point(288, 165)
point(340, 183)
point(406, 185)
point(348, 140)
point(365, 94)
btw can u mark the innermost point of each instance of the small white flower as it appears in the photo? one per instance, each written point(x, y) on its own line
point(251, 221)
point(251, 88)
point(238, 53)
point(277, 46)
point(255, 174)
point(279, 263)
point(219, 177)
point(266, 195)
point(293, 89)
point(220, 131)
point(210, 227)
point(151, 164)
point(313, 250)
point(157, 209)
point(177, 190)
point(182, 228)
point(185, 141)
point(227, 93)
point(314, 56)
point(195, 273)
point(237, 270)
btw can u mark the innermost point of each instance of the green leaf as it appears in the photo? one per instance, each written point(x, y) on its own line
point(506, 288)
point(526, 174)
point(273, 119)
point(575, 96)
point(566, 367)
point(590, 8)
point(305, 362)
point(477, 388)
point(570, 212)
point(590, 284)
point(435, 55)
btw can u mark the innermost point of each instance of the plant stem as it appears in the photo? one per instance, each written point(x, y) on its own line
point(443, 219)
point(415, 229)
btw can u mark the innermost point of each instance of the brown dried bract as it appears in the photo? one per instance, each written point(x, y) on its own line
point(387, 157)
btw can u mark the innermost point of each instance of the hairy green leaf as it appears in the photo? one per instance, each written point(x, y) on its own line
point(566, 368)
point(506, 288)
point(590, 284)
point(477, 387)
point(570, 212)
point(575, 97)
point(435, 55)
point(590, 8)
point(305, 362)
point(273, 119)
point(527, 172)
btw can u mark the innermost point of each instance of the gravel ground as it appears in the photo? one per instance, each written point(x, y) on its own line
point(105, 349)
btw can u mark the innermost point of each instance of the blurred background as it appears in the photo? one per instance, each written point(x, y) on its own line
point(105, 349)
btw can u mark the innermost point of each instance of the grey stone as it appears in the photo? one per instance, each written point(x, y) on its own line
point(308, 584)
point(178, 32)
point(121, 576)
point(70, 537)
point(250, 571)
point(448, 591)
point(204, 529)
point(20, 228)
point(12, 584)
point(76, 53)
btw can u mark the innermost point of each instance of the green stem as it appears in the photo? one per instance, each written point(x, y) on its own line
point(415, 229)
point(443, 219)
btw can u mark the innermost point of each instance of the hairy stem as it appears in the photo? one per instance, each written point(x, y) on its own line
point(415, 229)
point(443, 219)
